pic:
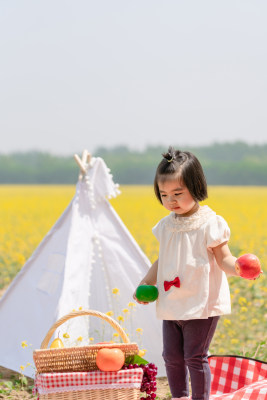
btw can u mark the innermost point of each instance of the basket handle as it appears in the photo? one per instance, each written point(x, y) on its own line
point(74, 314)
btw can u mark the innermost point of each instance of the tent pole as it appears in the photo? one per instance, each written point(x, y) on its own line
point(88, 158)
point(84, 156)
point(80, 163)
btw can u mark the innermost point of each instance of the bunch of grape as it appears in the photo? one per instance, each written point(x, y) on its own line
point(149, 384)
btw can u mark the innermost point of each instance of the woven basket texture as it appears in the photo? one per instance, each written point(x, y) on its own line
point(75, 359)
point(102, 394)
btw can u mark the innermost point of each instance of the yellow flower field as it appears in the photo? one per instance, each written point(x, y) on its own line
point(28, 212)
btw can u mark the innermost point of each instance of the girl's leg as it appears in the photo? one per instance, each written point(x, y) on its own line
point(173, 355)
point(197, 337)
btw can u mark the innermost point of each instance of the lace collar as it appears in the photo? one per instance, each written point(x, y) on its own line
point(194, 221)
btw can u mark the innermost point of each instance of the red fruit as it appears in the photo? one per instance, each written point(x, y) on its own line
point(110, 359)
point(248, 266)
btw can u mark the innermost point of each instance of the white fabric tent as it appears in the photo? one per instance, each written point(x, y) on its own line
point(86, 254)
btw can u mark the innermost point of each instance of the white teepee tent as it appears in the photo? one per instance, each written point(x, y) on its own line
point(86, 254)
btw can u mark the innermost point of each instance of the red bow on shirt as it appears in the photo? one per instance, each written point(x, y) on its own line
point(168, 285)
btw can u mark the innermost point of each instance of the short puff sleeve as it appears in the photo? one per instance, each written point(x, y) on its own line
point(217, 232)
point(157, 230)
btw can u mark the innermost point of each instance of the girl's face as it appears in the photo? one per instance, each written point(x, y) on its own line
point(176, 197)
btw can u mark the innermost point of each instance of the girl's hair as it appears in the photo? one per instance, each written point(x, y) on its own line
point(184, 166)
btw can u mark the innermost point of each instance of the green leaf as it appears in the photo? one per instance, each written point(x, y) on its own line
point(9, 384)
point(23, 380)
point(135, 359)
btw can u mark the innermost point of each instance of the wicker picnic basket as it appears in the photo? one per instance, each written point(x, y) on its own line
point(71, 359)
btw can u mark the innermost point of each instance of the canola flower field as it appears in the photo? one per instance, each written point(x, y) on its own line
point(28, 212)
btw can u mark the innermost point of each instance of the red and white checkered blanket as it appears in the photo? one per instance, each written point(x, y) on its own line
point(70, 381)
point(237, 378)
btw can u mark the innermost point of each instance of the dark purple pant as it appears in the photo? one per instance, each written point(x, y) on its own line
point(185, 348)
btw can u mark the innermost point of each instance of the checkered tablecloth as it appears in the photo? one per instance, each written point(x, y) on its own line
point(70, 381)
point(237, 378)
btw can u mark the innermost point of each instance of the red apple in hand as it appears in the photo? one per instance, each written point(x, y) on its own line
point(248, 266)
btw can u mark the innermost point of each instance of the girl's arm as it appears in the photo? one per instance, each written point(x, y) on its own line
point(151, 276)
point(149, 279)
point(224, 259)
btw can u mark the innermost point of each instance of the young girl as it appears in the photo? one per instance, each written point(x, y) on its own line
point(190, 273)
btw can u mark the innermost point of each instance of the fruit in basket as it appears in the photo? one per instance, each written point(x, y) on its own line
point(57, 344)
point(109, 360)
point(147, 293)
point(248, 266)
point(149, 383)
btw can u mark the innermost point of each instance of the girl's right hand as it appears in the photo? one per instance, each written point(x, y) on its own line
point(138, 301)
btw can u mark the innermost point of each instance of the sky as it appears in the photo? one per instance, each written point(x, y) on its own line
point(86, 74)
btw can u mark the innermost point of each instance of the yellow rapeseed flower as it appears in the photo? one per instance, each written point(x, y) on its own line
point(115, 291)
point(131, 304)
point(120, 318)
point(243, 309)
point(22, 367)
point(66, 335)
point(139, 330)
point(116, 334)
point(227, 322)
point(231, 332)
point(242, 301)
point(125, 310)
point(234, 341)
point(21, 259)
point(109, 313)
point(254, 321)
point(80, 339)
point(24, 344)
point(91, 339)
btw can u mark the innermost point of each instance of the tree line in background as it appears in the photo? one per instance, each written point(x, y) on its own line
point(235, 163)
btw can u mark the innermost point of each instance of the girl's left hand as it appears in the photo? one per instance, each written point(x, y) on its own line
point(248, 266)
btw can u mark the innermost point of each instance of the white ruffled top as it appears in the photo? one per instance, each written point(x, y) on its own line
point(186, 252)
